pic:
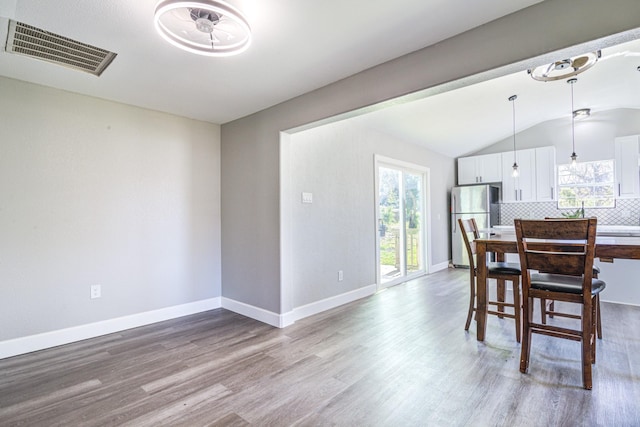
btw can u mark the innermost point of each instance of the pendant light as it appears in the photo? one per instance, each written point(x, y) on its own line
point(574, 156)
point(515, 172)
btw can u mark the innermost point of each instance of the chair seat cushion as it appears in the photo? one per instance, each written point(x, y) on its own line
point(560, 283)
point(504, 268)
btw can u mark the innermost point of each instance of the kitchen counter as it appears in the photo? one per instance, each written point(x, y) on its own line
point(603, 230)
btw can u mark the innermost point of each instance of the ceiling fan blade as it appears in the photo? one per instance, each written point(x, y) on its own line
point(181, 14)
point(579, 62)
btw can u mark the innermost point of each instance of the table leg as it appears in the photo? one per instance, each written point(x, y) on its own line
point(501, 288)
point(481, 290)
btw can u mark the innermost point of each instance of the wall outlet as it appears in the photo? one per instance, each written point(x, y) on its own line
point(340, 276)
point(96, 291)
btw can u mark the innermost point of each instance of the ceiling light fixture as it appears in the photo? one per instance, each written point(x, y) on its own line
point(203, 27)
point(515, 172)
point(582, 113)
point(564, 68)
point(574, 156)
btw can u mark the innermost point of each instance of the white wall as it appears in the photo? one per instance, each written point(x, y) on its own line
point(594, 136)
point(95, 192)
point(337, 231)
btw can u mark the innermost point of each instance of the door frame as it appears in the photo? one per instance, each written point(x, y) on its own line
point(383, 161)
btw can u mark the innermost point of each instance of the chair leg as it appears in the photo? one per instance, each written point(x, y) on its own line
point(587, 346)
point(598, 320)
point(517, 308)
point(472, 302)
point(543, 311)
point(594, 327)
point(552, 307)
point(526, 334)
point(501, 292)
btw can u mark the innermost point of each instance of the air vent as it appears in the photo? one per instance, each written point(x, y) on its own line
point(30, 41)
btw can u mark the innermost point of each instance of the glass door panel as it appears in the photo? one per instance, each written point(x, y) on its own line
point(413, 222)
point(389, 228)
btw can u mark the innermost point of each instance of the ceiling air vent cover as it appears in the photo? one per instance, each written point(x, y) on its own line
point(30, 41)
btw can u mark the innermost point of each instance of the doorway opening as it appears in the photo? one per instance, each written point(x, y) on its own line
point(401, 221)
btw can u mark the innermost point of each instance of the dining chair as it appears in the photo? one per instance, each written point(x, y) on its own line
point(564, 250)
point(548, 307)
point(500, 271)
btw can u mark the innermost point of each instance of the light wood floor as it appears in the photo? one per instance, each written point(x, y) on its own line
point(398, 358)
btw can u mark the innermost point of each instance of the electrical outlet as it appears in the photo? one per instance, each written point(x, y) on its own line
point(96, 291)
point(340, 276)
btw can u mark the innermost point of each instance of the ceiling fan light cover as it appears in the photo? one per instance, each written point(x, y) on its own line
point(229, 34)
point(565, 68)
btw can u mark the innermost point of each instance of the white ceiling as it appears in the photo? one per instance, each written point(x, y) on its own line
point(462, 121)
point(299, 46)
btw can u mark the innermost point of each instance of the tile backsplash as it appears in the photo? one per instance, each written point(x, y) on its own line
point(626, 212)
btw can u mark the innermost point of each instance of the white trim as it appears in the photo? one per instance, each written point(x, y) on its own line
point(289, 318)
point(439, 267)
point(22, 345)
point(256, 313)
point(403, 166)
point(332, 302)
point(286, 219)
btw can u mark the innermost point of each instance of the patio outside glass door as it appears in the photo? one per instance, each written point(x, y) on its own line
point(400, 224)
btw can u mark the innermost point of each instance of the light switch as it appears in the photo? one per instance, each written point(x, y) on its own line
point(307, 197)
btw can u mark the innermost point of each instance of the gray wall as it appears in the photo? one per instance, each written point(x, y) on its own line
point(250, 146)
point(335, 162)
point(95, 192)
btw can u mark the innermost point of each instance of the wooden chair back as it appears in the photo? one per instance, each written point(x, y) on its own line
point(467, 227)
point(558, 246)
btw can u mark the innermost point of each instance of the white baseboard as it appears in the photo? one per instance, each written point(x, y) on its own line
point(256, 313)
point(22, 345)
point(331, 302)
point(439, 267)
point(28, 344)
point(286, 319)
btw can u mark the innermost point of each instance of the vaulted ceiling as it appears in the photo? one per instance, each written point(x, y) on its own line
point(301, 45)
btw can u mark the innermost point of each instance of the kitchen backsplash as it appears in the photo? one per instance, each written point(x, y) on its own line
point(626, 212)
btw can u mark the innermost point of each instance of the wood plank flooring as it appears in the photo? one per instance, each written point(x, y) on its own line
point(398, 358)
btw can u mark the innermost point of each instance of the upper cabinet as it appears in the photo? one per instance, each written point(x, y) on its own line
point(627, 183)
point(523, 187)
point(536, 181)
point(546, 174)
point(477, 169)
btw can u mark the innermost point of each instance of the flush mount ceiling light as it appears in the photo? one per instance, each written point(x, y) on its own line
point(582, 113)
point(565, 68)
point(204, 27)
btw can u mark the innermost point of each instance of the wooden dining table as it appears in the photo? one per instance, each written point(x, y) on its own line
point(608, 248)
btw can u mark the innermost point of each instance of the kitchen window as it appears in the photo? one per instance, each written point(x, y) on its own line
point(586, 184)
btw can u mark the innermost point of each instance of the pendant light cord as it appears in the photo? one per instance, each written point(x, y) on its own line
point(514, 129)
point(573, 118)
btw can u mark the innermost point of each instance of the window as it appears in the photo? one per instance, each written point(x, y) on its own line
point(588, 183)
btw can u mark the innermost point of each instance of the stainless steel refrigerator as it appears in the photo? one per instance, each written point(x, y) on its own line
point(472, 201)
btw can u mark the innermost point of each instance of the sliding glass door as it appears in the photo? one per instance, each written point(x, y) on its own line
point(400, 219)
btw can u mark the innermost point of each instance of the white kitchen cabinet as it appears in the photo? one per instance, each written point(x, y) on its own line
point(545, 174)
point(627, 171)
point(522, 188)
point(476, 169)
